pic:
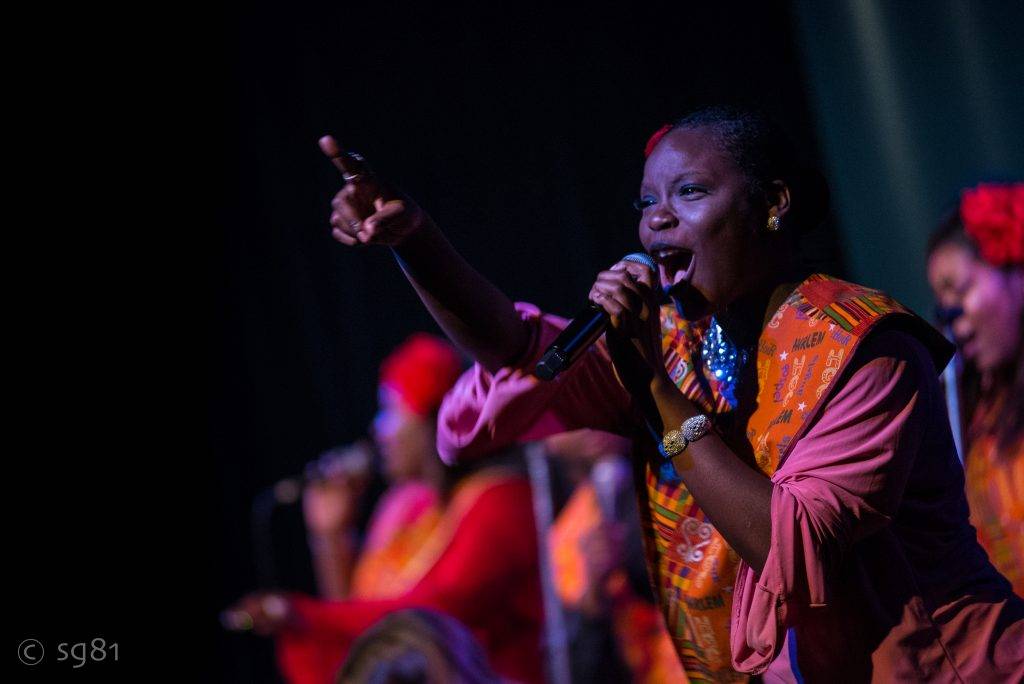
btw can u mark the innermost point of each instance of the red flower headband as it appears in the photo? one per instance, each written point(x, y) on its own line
point(993, 215)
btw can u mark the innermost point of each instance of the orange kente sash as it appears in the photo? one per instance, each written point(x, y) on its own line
point(805, 346)
point(397, 566)
point(995, 492)
point(384, 571)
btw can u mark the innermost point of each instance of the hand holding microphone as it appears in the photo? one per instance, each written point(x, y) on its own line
point(624, 303)
point(354, 461)
point(606, 301)
point(334, 484)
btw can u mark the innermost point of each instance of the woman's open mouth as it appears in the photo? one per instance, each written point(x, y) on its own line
point(675, 265)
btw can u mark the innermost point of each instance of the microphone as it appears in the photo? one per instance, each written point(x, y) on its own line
point(582, 331)
point(353, 460)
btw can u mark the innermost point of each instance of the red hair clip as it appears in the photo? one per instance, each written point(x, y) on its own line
point(655, 139)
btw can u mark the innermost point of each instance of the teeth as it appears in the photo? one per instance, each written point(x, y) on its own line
point(671, 253)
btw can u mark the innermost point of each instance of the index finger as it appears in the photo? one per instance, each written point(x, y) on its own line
point(640, 272)
point(350, 164)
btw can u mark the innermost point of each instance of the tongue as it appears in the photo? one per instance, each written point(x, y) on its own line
point(670, 276)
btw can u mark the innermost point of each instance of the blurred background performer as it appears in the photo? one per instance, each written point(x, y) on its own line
point(615, 629)
point(473, 555)
point(413, 380)
point(976, 270)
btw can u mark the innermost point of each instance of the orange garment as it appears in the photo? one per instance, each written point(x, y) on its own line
point(643, 642)
point(403, 520)
point(580, 515)
point(995, 493)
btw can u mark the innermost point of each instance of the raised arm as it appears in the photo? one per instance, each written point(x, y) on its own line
point(475, 314)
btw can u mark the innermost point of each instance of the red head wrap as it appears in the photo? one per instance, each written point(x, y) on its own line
point(655, 139)
point(422, 370)
point(993, 215)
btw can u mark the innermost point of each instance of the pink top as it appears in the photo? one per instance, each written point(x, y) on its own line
point(873, 570)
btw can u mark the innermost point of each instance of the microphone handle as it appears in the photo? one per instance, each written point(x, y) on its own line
point(582, 331)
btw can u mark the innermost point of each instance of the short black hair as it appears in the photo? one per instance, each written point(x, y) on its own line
point(950, 230)
point(762, 150)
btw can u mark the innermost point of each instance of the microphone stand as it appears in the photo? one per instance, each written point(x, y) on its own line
point(261, 525)
point(554, 620)
point(950, 377)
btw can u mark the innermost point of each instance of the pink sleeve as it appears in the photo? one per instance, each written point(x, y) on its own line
point(843, 480)
point(485, 412)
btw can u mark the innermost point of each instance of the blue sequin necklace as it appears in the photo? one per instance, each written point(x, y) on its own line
point(723, 359)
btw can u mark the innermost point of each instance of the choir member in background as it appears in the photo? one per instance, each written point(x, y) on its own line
point(976, 270)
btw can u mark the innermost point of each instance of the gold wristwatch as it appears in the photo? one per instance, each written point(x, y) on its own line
point(692, 429)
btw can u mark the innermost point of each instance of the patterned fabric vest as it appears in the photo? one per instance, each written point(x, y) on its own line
point(803, 349)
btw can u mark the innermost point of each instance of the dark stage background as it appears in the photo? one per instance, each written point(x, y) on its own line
point(520, 130)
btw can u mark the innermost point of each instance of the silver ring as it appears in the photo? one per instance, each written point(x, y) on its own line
point(355, 156)
point(351, 177)
point(354, 224)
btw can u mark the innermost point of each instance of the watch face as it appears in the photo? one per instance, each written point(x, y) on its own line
point(673, 442)
point(696, 427)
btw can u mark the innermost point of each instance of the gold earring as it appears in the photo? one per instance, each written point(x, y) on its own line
point(774, 223)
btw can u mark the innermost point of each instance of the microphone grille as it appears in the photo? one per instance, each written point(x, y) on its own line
point(641, 258)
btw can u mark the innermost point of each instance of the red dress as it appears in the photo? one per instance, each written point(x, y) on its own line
point(485, 575)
